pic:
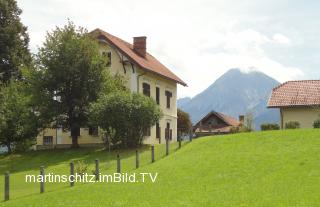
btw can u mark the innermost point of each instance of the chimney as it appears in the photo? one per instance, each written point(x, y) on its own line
point(140, 45)
point(241, 119)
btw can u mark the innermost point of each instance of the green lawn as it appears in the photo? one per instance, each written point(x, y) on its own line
point(278, 168)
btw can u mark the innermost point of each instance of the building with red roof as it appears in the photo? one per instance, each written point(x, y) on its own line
point(216, 123)
point(142, 73)
point(298, 101)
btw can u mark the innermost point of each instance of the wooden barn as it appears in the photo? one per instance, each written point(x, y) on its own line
point(216, 123)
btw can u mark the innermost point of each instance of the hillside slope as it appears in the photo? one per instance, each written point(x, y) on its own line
point(235, 93)
point(279, 168)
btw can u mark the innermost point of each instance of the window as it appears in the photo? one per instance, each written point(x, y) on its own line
point(168, 95)
point(93, 131)
point(107, 55)
point(147, 132)
point(47, 140)
point(146, 89)
point(158, 95)
point(158, 131)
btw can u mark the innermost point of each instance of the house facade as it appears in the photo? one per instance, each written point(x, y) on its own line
point(298, 101)
point(144, 74)
point(216, 123)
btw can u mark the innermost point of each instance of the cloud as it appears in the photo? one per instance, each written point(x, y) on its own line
point(281, 39)
point(198, 40)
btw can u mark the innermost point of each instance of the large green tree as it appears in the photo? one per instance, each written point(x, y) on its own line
point(70, 74)
point(18, 122)
point(183, 122)
point(14, 52)
point(125, 117)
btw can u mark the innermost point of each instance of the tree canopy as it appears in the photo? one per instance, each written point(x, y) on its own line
point(70, 74)
point(14, 40)
point(125, 116)
point(184, 123)
point(18, 122)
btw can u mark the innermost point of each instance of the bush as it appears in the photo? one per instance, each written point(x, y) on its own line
point(24, 145)
point(316, 123)
point(245, 129)
point(269, 126)
point(81, 167)
point(292, 125)
point(125, 116)
point(234, 130)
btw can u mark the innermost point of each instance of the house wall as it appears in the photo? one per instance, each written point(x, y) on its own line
point(134, 80)
point(304, 115)
point(170, 115)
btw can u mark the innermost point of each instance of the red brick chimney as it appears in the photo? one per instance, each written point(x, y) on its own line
point(140, 45)
point(241, 119)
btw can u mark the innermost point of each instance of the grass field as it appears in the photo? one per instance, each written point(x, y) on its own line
point(277, 168)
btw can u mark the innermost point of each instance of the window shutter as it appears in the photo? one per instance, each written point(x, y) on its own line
point(158, 95)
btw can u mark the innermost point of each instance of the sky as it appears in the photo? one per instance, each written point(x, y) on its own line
point(199, 40)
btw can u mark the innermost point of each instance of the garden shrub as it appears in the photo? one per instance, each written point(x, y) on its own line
point(81, 167)
point(316, 123)
point(245, 129)
point(269, 126)
point(292, 125)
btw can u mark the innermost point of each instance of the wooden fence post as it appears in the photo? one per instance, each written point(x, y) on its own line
point(118, 164)
point(42, 179)
point(72, 174)
point(137, 159)
point(190, 135)
point(167, 146)
point(152, 153)
point(6, 186)
point(97, 169)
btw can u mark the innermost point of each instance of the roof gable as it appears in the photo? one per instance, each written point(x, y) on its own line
point(148, 63)
point(225, 118)
point(296, 93)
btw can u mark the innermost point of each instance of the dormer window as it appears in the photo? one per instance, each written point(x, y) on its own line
point(107, 56)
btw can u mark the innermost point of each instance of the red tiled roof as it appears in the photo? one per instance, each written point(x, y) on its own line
point(148, 63)
point(296, 93)
point(229, 119)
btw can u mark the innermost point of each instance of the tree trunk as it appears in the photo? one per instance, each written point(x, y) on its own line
point(75, 132)
point(74, 141)
point(9, 148)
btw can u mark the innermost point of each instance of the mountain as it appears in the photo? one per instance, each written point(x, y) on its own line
point(183, 101)
point(235, 93)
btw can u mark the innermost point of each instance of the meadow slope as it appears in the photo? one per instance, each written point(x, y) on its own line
point(276, 168)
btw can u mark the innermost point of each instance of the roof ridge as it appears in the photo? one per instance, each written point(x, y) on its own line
point(292, 81)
